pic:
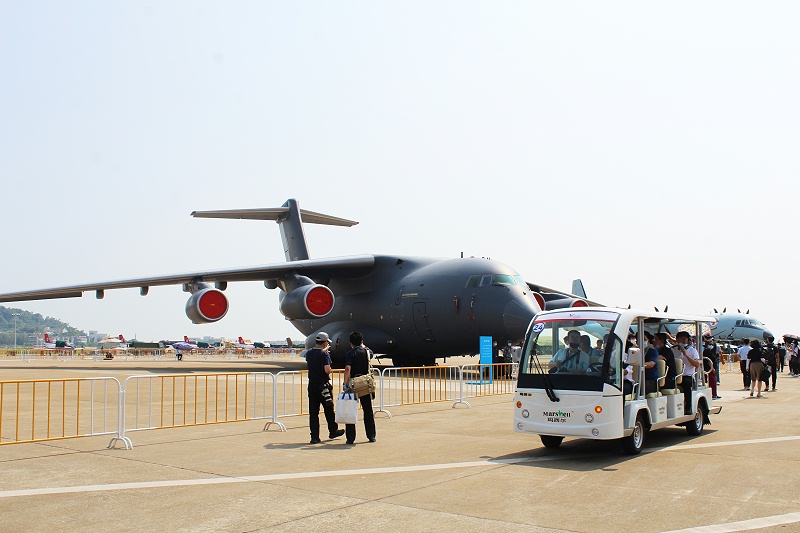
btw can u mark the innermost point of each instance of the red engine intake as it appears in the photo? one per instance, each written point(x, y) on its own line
point(564, 303)
point(309, 301)
point(207, 305)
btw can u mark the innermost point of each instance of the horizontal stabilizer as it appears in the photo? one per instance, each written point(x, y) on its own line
point(274, 213)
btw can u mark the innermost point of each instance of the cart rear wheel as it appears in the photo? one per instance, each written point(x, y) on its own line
point(695, 427)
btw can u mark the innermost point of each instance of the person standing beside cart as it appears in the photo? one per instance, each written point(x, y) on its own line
point(756, 358)
point(356, 363)
point(744, 363)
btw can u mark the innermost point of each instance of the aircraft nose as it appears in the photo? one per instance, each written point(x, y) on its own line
point(767, 334)
point(517, 314)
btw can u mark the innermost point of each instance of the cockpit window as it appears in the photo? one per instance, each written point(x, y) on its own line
point(493, 279)
point(520, 281)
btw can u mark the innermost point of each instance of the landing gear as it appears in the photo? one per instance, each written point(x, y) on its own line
point(415, 361)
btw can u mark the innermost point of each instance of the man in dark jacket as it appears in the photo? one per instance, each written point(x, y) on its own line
point(356, 363)
point(771, 355)
point(319, 388)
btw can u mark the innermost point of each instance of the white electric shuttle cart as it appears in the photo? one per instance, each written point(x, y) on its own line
point(587, 397)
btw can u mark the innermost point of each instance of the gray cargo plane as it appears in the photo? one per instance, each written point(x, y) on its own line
point(733, 327)
point(412, 309)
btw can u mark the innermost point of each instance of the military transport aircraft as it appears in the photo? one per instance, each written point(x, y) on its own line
point(732, 326)
point(413, 309)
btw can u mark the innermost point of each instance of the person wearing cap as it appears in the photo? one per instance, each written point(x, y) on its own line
point(319, 388)
point(691, 360)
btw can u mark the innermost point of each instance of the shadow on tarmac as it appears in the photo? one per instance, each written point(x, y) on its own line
point(584, 455)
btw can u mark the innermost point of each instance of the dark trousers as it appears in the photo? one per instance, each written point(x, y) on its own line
point(320, 394)
point(687, 385)
point(794, 365)
point(369, 420)
point(712, 380)
point(774, 375)
point(745, 374)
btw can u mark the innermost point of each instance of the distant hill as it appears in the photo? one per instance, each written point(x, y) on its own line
point(32, 324)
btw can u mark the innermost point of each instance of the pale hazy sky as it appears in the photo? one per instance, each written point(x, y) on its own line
point(650, 149)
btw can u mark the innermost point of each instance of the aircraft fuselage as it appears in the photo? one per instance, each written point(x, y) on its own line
point(418, 309)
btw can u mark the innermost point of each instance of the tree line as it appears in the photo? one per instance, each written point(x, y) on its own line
point(32, 324)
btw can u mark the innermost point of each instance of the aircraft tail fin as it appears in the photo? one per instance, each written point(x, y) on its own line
point(121, 337)
point(577, 288)
point(290, 219)
point(47, 338)
point(185, 338)
point(241, 340)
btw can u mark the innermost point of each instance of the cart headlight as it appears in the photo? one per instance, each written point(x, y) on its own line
point(595, 432)
point(525, 413)
point(589, 418)
point(520, 426)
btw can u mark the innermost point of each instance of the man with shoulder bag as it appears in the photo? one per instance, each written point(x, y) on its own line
point(356, 363)
point(319, 388)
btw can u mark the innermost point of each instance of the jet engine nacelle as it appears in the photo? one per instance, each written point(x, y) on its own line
point(308, 301)
point(207, 305)
point(564, 303)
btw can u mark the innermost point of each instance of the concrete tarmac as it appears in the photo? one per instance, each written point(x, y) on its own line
point(433, 468)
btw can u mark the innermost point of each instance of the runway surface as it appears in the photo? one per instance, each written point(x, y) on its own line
point(433, 468)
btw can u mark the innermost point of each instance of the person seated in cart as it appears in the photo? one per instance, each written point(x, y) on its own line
point(650, 365)
point(660, 344)
point(571, 358)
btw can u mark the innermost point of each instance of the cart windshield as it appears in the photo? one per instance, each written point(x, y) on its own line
point(571, 350)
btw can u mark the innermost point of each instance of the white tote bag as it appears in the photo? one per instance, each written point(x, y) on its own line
point(346, 408)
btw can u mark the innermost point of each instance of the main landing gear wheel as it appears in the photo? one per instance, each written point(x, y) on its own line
point(550, 441)
point(695, 427)
point(634, 443)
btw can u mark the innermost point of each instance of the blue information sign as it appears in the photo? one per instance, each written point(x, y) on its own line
point(486, 350)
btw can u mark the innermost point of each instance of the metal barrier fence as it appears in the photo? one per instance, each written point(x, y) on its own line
point(180, 400)
point(408, 386)
point(151, 354)
point(49, 409)
point(35, 410)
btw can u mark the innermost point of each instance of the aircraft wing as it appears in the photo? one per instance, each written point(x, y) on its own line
point(337, 266)
point(544, 291)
